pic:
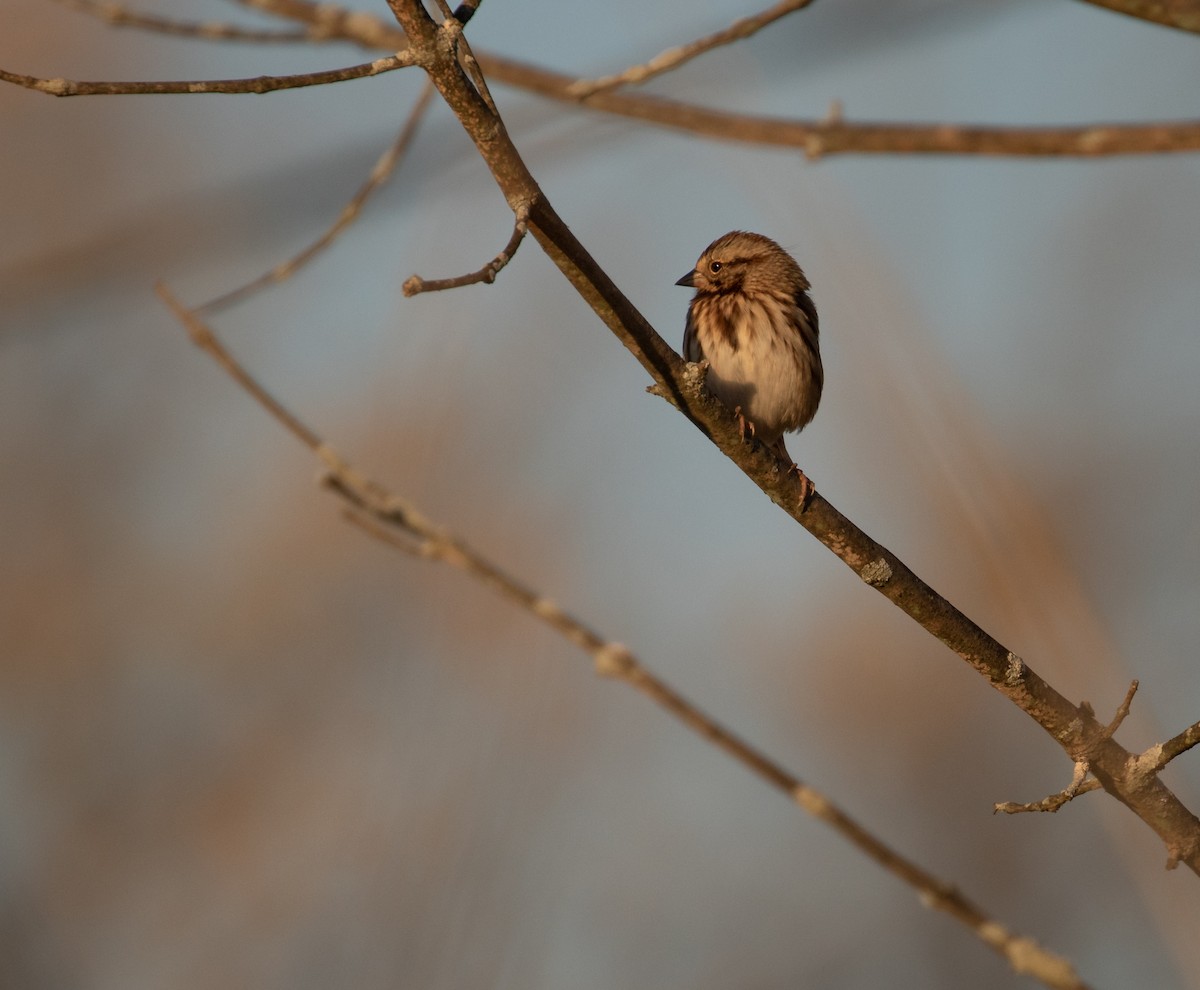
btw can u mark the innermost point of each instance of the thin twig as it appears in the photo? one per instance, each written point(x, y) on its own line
point(118, 15)
point(1158, 756)
point(672, 58)
point(203, 337)
point(395, 521)
point(1122, 711)
point(1180, 744)
point(1080, 784)
point(379, 174)
point(258, 84)
point(414, 284)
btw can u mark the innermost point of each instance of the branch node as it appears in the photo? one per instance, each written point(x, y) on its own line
point(613, 660)
point(1014, 672)
point(877, 573)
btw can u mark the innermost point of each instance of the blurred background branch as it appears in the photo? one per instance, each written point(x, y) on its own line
point(1181, 14)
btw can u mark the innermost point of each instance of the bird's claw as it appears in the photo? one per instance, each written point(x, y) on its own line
point(807, 488)
point(744, 426)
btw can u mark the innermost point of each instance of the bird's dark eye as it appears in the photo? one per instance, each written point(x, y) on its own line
point(714, 266)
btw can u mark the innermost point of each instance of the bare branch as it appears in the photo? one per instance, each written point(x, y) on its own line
point(380, 173)
point(1072, 727)
point(258, 84)
point(335, 23)
point(1122, 711)
point(672, 58)
point(397, 522)
point(1180, 744)
point(821, 138)
point(203, 337)
point(487, 274)
point(1158, 756)
point(1146, 765)
point(817, 138)
point(1181, 14)
point(615, 660)
point(1080, 784)
point(117, 15)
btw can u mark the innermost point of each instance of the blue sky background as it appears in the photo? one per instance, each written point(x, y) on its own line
point(242, 745)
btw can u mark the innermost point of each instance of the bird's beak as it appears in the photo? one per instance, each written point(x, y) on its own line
point(689, 279)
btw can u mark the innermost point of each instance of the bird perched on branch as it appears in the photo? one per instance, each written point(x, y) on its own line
point(752, 320)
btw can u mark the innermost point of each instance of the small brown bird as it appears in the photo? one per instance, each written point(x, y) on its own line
point(753, 321)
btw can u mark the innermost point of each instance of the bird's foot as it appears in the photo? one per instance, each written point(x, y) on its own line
point(744, 426)
point(807, 488)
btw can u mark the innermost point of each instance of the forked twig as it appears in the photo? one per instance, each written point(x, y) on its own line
point(672, 58)
point(396, 522)
point(380, 173)
point(414, 284)
point(1080, 783)
point(1148, 763)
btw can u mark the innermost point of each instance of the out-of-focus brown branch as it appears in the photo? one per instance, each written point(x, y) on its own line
point(258, 84)
point(380, 173)
point(1073, 727)
point(1181, 14)
point(487, 274)
point(398, 523)
point(833, 135)
point(672, 58)
point(120, 16)
point(816, 138)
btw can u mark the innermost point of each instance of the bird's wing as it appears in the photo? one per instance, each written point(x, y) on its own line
point(692, 351)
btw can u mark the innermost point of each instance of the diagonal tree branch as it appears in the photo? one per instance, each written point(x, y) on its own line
point(398, 523)
point(1073, 727)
